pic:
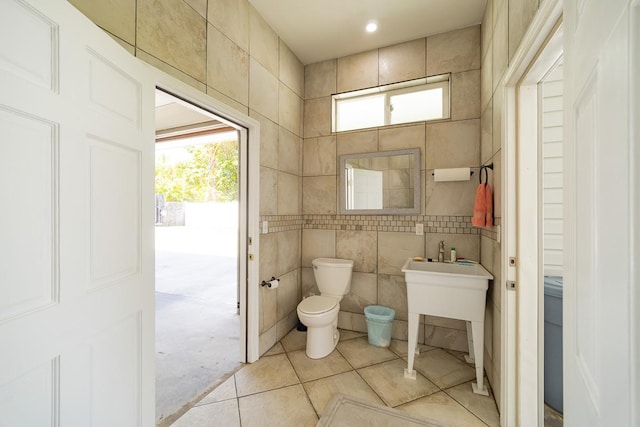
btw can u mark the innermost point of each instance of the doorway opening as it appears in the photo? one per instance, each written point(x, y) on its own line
point(199, 331)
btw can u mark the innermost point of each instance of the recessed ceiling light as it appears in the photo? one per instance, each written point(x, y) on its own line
point(371, 27)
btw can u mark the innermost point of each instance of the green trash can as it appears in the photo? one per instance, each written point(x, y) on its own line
point(379, 320)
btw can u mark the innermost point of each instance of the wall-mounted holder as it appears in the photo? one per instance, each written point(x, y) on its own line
point(272, 284)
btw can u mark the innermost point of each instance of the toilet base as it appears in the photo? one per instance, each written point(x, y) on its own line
point(321, 341)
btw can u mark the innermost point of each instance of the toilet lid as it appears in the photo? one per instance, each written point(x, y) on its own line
point(317, 304)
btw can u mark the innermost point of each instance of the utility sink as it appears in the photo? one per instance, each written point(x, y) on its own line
point(457, 291)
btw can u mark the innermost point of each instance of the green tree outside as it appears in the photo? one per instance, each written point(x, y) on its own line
point(210, 175)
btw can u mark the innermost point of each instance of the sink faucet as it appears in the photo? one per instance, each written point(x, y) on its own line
point(441, 252)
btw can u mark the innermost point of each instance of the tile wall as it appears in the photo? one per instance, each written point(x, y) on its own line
point(379, 245)
point(225, 49)
point(503, 26)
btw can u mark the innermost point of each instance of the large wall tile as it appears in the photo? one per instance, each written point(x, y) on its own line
point(521, 13)
point(308, 281)
point(171, 70)
point(394, 249)
point(450, 198)
point(452, 339)
point(227, 66)
point(291, 70)
point(288, 194)
point(320, 79)
point(288, 293)
point(364, 292)
point(486, 133)
point(117, 16)
point(290, 110)
point(317, 117)
point(404, 61)
point(500, 42)
point(268, 308)
point(357, 71)
point(263, 91)
point(199, 6)
point(486, 29)
point(227, 100)
point(357, 142)
point(497, 185)
point(269, 132)
point(263, 42)
point(319, 156)
point(174, 33)
point(288, 251)
point(317, 244)
point(392, 292)
point(467, 245)
point(497, 119)
point(453, 144)
point(359, 246)
point(486, 79)
point(232, 18)
point(268, 255)
point(268, 191)
point(465, 95)
point(319, 195)
point(454, 51)
point(289, 152)
point(398, 138)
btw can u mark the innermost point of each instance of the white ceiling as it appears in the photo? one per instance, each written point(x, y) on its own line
point(316, 30)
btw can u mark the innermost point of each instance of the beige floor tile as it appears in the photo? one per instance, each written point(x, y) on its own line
point(294, 340)
point(400, 347)
point(443, 369)
point(313, 369)
point(225, 391)
point(387, 379)
point(284, 407)
point(552, 418)
point(460, 355)
point(483, 407)
point(360, 353)
point(276, 349)
point(267, 373)
point(214, 414)
point(350, 383)
point(349, 335)
point(441, 408)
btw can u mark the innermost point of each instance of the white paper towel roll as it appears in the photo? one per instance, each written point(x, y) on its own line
point(453, 174)
point(274, 283)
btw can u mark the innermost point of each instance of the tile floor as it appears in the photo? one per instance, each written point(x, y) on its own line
point(286, 388)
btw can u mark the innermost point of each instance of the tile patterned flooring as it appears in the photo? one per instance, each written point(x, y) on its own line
point(286, 388)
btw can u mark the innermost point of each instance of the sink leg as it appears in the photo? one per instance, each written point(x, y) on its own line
point(469, 358)
point(477, 329)
point(414, 319)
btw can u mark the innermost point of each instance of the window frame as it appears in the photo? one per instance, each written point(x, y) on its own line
point(442, 81)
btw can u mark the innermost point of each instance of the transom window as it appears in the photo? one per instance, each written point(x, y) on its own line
point(412, 101)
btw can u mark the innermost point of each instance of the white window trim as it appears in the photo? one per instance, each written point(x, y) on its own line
point(442, 81)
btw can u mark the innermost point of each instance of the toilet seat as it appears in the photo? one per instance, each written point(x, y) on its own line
point(317, 304)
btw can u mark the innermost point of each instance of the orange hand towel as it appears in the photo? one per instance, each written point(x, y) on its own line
point(489, 207)
point(480, 207)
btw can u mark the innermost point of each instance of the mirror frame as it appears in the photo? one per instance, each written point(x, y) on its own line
point(417, 186)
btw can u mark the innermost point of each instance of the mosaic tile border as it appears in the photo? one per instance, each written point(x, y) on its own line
point(443, 224)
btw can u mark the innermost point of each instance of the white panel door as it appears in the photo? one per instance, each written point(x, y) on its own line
point(76, 223)
point(600, 331)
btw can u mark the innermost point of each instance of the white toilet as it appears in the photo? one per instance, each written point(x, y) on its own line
point(319, 313)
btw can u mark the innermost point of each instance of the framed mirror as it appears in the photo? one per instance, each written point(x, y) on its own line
point(386, 182)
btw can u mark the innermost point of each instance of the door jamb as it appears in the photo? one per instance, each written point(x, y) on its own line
point(249, 219)
point(520, 373)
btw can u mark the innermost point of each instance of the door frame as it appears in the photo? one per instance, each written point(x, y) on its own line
point(521, 370)
point(249, 236)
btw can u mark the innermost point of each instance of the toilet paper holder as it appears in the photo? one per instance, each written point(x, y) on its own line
point(269, 283)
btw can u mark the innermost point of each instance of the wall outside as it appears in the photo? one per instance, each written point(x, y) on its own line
point(225, 49)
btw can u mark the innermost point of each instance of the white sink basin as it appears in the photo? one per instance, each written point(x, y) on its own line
point(455, 291)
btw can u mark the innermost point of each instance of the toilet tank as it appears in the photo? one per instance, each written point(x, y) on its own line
point(333, 276)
